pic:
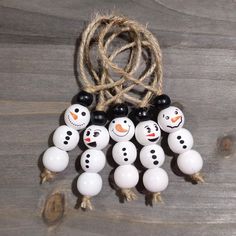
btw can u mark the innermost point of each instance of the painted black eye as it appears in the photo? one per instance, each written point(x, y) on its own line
point(83, 113)
point(113, 122)
point(95, 134)
point(167, 117)
point(76, 110)
point(176, 112)
point(148, 130)
point(87, 133)
point(156, 127)
point(125, 121)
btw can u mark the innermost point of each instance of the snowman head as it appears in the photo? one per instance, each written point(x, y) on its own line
point(96, 137)
point(121, 129)
point(147, 132)
point(77, 116)
point(171, 119)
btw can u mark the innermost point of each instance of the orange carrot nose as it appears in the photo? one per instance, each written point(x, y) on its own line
point(75, 117)
point(119, 128)
point(174, 119)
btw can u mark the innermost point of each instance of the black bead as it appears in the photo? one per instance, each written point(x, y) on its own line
point(120, 110)
point(98, 118)
point(163, 101)
point(142, 114)
point(84, 98)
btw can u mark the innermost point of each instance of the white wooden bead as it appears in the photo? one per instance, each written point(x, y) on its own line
point(121, 129)
point(152, 156)
point(96, 137)
point(77, 116)
point(155, 180)
point(171, 119)
point(126, 176)
point(93, 160)
point(55, 159)
point(180, 141)
point(65, 138)
point(124, 153)
point(190, 162)
point(89, 184)
point(147, 132)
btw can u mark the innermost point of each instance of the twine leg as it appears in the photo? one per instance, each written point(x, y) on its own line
point(86, 203)
point(47, 175)
point(156, 197)
point(129, 194)
point(198, 178)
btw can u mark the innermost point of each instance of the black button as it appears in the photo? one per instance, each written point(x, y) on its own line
point(88, 155)
point(87, 161)
point(87, 166)
point(123, 149)
point(152, 151)
point(125, 154)
point(69, 132)
point(178, 137)
point(184, 147)
point(155, 162)
point(65, 142)
point(67, 138)
point(126, 159)
point(181, 141)
point(154, 156)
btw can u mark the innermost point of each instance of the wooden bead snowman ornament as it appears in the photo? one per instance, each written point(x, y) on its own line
point(124, 152)
point(180, 140)
point(96, 138)
point(66, 137)
point(152, 156)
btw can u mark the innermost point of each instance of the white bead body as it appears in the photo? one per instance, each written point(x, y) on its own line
point(77, 116)
point(96, 137)
point(180, 141)
point(89, 184)
point(147, 132)
point(155, 180)
point(121, 129)
point(171, 119)
point(55, 159)
point(152, 156)
point(126, 176)
point(92, 160)
point(65, 138)
point(124, 153)
point(190, 162)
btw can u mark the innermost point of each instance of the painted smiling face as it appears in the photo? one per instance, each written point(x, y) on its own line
point(147, 132)
point(121, 129)
point(171, 119)
point(96, 137)
point(77, 116)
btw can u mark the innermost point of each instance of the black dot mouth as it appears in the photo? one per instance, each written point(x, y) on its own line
point(74, 123)
point(123, 134)
point(153, 139)
point(176, 126)
point(92, 144)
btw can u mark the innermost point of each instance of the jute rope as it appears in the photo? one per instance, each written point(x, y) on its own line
point(101, 32)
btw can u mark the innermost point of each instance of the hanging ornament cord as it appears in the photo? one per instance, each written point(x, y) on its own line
point(101, 32)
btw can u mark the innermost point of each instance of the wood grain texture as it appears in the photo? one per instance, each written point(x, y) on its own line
point(37, 44)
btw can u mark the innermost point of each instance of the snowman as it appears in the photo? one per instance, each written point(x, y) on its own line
point(66, 137)
point(152, 157)
point(180, 140)
point(124, 152)
point(96, 137)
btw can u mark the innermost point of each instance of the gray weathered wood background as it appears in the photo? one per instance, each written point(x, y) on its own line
point(37, 43)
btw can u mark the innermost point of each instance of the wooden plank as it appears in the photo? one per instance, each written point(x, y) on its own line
point(37, 83)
